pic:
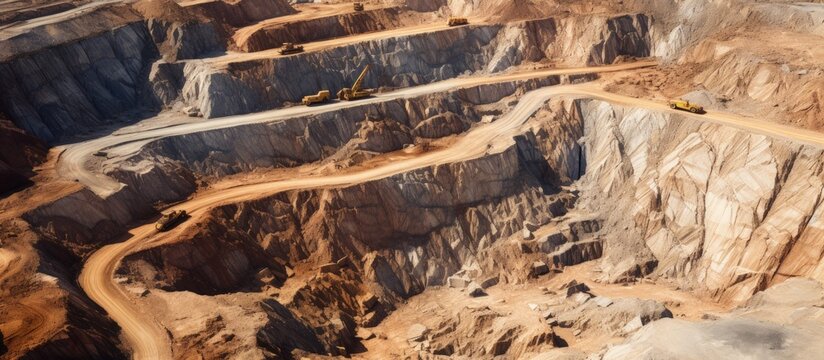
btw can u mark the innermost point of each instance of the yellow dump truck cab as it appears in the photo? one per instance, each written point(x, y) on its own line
point(170, 220)
point(290, 48)
point(686, 105)
point(457, 21)
point(358, 6)
point(321, 97)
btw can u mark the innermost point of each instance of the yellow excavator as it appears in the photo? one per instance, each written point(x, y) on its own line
point(356, 92)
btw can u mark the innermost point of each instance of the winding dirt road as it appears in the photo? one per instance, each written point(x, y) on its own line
point(18, 28)
point(148, 339)
point(308, 11)
point(72, 163)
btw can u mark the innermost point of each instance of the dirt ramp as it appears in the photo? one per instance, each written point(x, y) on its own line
point(269, 37)
point(238, 13)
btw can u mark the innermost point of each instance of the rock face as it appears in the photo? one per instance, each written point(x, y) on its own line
point(397, 232)
point(8, 17)
point(19, 152)
point(76, 86)
point(97, 19)
point(166, 169)
point(722, 210)
point(623, 316)
point(321, 28)
point(185, 40)
point(46, 316)
point(87, 334)
point(242, 12)
point(410, 60)
point(436, 217)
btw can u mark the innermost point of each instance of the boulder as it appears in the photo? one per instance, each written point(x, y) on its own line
point(458, 282)
point(364, 334)
point(372, 318)
point(539, 268)
point(602, 301)
point(579, 298)
point(489, 282)
point(530, 226)
point(368, 301)
point(417, 333)
point(574, 287)
point(633, 325)
point(475, 290)
point(527, 234)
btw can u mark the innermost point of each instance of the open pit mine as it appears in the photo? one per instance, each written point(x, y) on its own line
point(412, 179)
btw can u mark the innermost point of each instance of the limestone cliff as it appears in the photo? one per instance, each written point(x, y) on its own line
point(409, 60)
point(720, 209)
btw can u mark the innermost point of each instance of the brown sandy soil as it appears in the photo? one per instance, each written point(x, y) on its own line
point(323, 168)
point(31, 311)
point(305, 12)
point(237, 57)
point(753, 77)
point(48, 186)
point(439, 303)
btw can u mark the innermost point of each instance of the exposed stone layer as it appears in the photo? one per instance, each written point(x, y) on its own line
point(78, 86)
point(242, 12)
point(270, 37)
point(724, 210)
point(410, 60)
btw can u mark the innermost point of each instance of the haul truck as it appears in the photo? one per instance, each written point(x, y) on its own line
point(321, 97)
point(686, 105)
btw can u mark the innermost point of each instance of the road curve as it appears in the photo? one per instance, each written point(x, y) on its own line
point(18, 28)
point(72, 162)
point(148, 339)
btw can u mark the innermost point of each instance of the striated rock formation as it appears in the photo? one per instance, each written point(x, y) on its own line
point(45, 315)
point(720, 209)
point(179, 33)
point(395, 232)
point(40, 9)
point(77, 23)
point(239, 13)
point(484, 333)
point(321, 28)
point(408, 60)
point(77, 86)
point(166, 169)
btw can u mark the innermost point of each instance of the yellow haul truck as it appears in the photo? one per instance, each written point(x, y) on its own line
point(321, 97)
point(457, 21)
point(290, 48)
point(686, 105)
point(170, 220)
